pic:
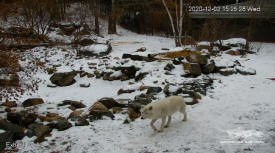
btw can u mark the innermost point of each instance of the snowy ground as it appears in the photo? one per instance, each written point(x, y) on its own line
point(238, 115)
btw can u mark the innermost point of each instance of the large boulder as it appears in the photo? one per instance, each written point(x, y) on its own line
point(110, 102)
point(208, 68)
point(32, 102)
point(98, 110)
point(38, 129)
point(196, 58)
point(21, 118)
point(96, 50)
point(143, 99)
point(60, 125)
point(17, 132)
point(128, 72)
point(192, 69)
point(63, 79)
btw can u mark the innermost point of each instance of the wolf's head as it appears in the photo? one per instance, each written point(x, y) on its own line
point(146, 112)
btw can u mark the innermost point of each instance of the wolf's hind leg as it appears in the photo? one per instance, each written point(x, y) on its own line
point(169, 121)
point(183, 111)
point(163, 119)
point(185, 116)
point(152, 124)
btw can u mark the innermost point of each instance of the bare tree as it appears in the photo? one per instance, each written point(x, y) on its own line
point(178, 27)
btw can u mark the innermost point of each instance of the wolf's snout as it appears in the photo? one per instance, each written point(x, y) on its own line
point(142, 118)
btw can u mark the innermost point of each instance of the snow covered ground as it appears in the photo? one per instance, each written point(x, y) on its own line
point(237, 116)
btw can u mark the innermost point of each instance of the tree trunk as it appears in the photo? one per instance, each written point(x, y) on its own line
point(112, 20)
point(96, 24)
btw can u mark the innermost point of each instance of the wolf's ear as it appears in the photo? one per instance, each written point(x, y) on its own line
point(151, 107)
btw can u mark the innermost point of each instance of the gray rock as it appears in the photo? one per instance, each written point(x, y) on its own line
point(153, 90)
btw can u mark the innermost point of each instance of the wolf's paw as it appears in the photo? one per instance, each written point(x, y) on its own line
point(184, 120)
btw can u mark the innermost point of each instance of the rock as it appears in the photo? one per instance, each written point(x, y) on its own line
point(142, 49)
point(141, 88)
point(32, 102)
point(75, 113)
point(97, 115)
point(138, 58)
point(98, 106)
point(192, 69)
point(21, 118)
point(130, 71)
point(110, 102)
point(68, 29)
point(51, 70)
point(227, 72)
point(244, 71)
point(117, 110)
point(141, 76)
point(83, 85)
point(108, 76)
point(143, 99)
point(133, 114)
point(63, 79)
point(121, 91)
point(17, 132)
point(9, 104)
point(234, 53)
point(154, 90)
point(178, 60)
point(126, 121)
point(51, 117)
point(38, 129)
point(208, 68)
point(75, 104)
point(169, 67)
point(192, 94)
point(171, 89)
point(60, 125)
point(196, 58)
point(85, 42)
point(201, 47)
point(80, 121)
point(95, 50)
point(193, 102)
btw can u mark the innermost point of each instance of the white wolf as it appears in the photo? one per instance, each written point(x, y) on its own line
point(163, 108)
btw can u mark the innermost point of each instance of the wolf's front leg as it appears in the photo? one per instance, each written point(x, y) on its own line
point(152, 124)
point(163, 119)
